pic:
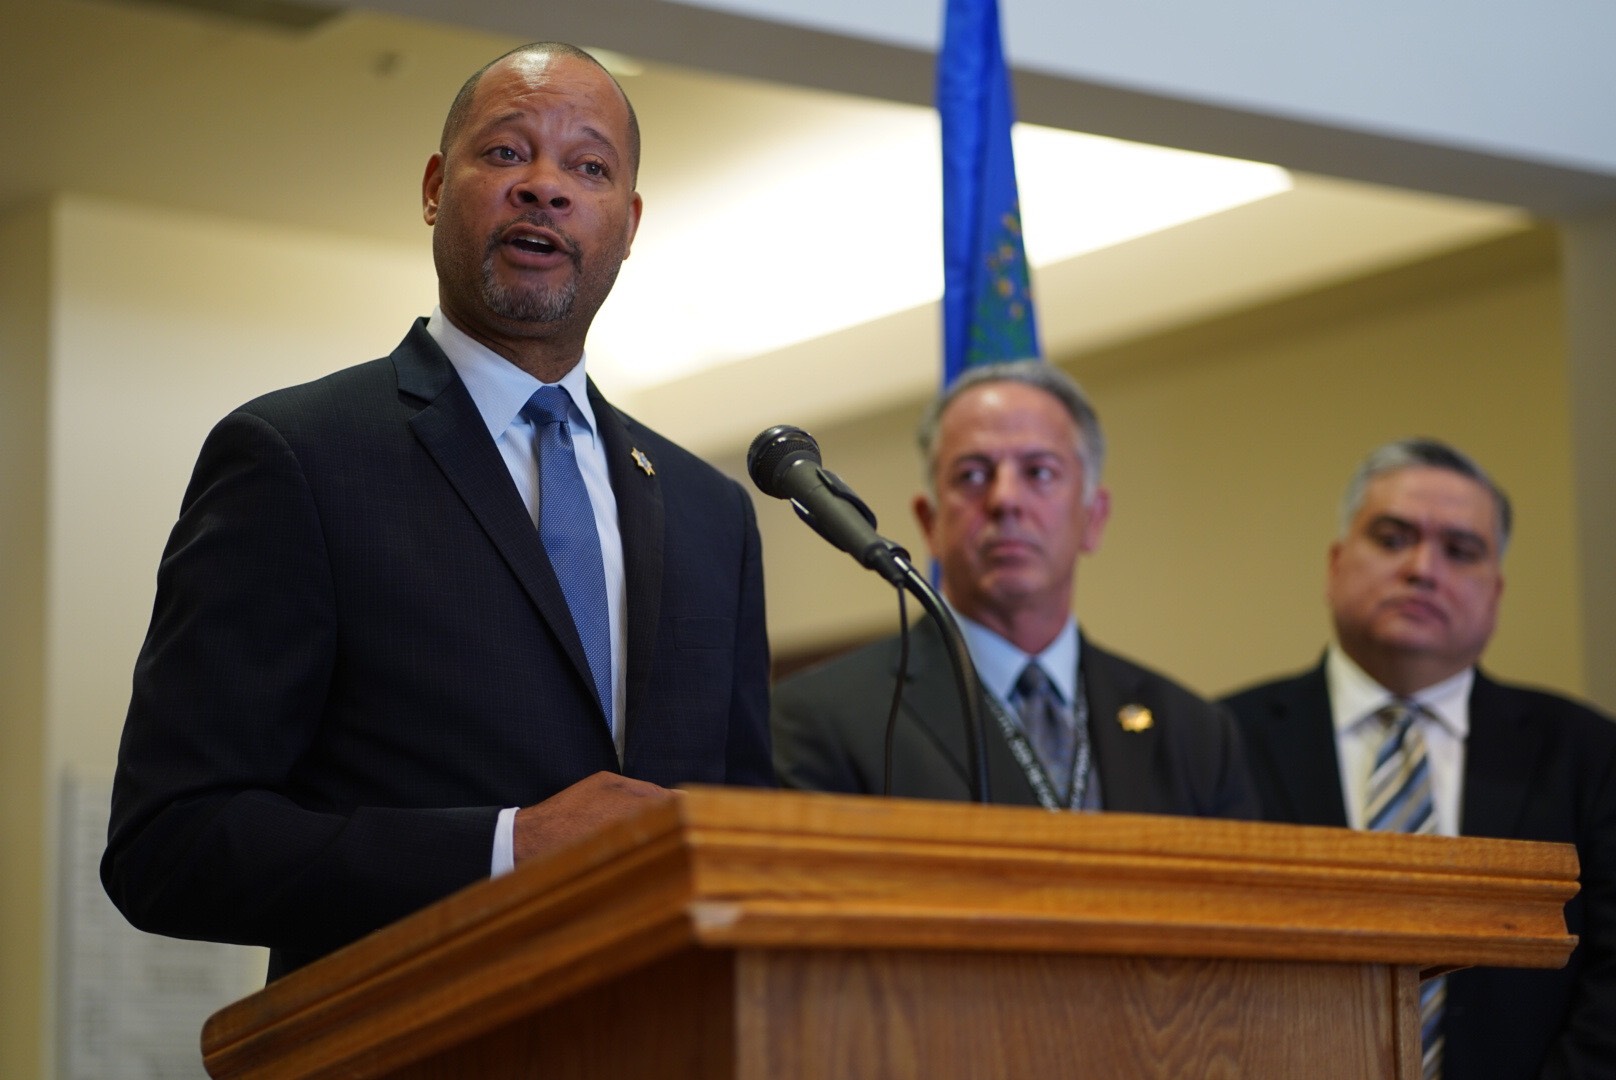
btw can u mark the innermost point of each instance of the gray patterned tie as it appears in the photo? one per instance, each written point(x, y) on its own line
point(1049, 726)
point(1399, 800)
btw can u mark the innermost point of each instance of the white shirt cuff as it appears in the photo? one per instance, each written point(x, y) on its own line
point(504, 842)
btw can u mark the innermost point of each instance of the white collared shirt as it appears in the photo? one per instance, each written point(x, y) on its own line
point(1355, 697)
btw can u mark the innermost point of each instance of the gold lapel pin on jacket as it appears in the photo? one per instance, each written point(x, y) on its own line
point(642, 461)
point(1135, 718)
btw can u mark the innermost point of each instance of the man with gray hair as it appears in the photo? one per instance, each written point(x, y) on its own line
point(1397, 729)
point(1013, 498)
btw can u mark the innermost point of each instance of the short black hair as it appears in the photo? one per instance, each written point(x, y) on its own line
point(460, 108)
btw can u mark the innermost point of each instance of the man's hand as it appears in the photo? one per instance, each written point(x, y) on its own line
point(580, 809)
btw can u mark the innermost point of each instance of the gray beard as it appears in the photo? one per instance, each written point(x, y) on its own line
point(542, 305)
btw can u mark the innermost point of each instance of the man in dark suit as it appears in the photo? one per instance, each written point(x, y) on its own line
point(1414, 582)
point(1013, 455)
point(449, 610)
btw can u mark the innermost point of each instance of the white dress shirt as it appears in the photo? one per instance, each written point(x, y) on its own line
point(1355, 698)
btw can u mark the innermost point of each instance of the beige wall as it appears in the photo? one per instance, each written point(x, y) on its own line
point(1231, 453)
point(24, 335)
point(159, 323)
point(1230, 443)
point(173, 320)
point(1590, 273)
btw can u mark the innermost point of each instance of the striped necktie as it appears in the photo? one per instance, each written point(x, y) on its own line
point(1399, 800)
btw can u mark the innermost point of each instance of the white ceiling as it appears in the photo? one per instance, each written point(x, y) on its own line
point(330, 130)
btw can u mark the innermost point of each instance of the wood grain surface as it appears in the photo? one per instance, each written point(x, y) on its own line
point(800, 918)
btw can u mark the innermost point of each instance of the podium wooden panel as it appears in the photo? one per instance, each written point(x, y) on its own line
point(784, 936)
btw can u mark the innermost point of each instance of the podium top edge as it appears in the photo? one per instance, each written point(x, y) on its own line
point(848, 818)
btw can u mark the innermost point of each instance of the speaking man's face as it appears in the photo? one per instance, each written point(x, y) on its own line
point(533, 207)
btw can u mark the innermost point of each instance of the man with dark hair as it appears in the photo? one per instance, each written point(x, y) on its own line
point(1397, 729)
point(1012, 454)
point(449, 610)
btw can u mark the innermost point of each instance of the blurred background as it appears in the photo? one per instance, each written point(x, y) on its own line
point(1264, 239)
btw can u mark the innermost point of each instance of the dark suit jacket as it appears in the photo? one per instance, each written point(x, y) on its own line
point(830, 730)
point(1537, 767)
point(359, 654)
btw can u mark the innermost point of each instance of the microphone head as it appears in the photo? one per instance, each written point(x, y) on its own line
point(775, 451)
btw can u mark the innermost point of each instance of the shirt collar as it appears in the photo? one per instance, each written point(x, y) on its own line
point(1355, 696)
point(999, 663)
point(498, 387)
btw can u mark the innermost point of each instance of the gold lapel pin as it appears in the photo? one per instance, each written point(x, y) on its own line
point(642, 461)
point(1135, 718)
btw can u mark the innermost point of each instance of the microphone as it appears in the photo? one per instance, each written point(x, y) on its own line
point(784, 462)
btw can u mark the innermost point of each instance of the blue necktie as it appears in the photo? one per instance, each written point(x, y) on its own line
point(1399, 800)
point(567, 530)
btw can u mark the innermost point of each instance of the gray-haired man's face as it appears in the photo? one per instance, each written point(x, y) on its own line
point(1417, 576)
point(1011, 512)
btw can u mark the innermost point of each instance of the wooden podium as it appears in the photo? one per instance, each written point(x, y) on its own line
point(783, 936)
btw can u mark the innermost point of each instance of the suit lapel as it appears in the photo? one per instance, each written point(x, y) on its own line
point(1296, 739)
point(932, 704)
point(452, 431)
point(1124, 760)
point(638, 490)
point(1501, 749)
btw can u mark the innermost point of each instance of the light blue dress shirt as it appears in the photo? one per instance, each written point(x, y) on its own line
point(999, 664)
point(500, 389)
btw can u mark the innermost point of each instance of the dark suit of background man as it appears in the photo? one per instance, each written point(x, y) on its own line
point(1413, 586)
point(361, 662)
point(1012, 455)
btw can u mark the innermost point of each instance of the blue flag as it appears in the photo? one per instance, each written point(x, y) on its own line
point(987, 294)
